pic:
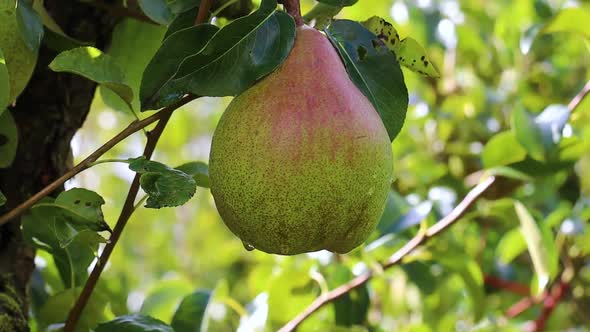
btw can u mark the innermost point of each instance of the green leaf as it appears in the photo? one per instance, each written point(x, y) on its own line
point(352, 308)
point(183, 21)
point(94, 65)
point(29, 24)
point(190, 315)
point(472, 277)
point(374, 70)
point(495, 152)
point(79, 207)
point(569, 20)
point(164, 298)
point(181, 6)
point(67, 228)
point(237, 56)
point(510, 246)
point(338, 3)
point(8, 139)
point(57, 307)
point(134, 323)
point(165, 63)
point(541, 247)
point(4, 84)
point(54, 37)
point(198, 170)
point(540, 135)
point(157, 10)
point(129, 36)
point(165, 186)
point(2, 198)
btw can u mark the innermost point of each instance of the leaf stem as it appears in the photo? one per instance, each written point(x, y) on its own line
point(105, 161)
point(420, 238)
point(84, 164)
point(292, 8)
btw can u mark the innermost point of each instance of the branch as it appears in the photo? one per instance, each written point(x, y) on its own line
point(128, 206)
point(86, 163)
point(549, 303)
point(577, 100)
point(511, 286)
point(397, 257)
point(293, 8)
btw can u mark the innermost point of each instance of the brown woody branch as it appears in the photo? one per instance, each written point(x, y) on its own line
point(86, 163)
point(397, 257)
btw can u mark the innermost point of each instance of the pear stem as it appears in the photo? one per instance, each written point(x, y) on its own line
point(293, 9)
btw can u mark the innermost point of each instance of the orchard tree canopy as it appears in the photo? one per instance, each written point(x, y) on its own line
point(282, 165)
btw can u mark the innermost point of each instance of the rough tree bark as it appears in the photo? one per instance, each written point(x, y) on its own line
point(48, 114)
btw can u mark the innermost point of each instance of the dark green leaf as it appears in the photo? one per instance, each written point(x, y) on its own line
point(2, 199)
point(338, 3)
point(352, 308)
point(157, 10)
point(4, 84)
point(94, 65)
point(198, 170)
point(57, 307)
point(29, 24)
point(374, 70)
point(8, 139)
point(236, 57)
point(165, 186)
point(181, 6)
point(540, 135)
point(183, 21)
point(54, 37)
point(495, 152)
point(190, 315)
point(134, 323)
point(166, 61)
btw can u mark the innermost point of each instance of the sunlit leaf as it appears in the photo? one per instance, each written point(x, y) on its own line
point(541, 247)
point(190, 315)
point(8, 139)
point(510, 246)
point(569, 20)
point(134, 323)
point(374, 70)
point(338, 3)
point(94, 65)
point(57, 307)
point(495, 152)
point(164, 297)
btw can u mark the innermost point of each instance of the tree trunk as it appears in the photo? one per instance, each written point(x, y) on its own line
point(48, 114)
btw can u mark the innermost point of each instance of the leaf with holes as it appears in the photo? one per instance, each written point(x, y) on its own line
point(164, 65)
point(374, 70)
point(8, 139)
point(91, 63)
point(165, 186)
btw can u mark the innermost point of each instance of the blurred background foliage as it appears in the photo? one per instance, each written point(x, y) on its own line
point(493, 63)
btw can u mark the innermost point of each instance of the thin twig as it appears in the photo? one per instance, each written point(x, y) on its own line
point(128, 207)
point(575, 102)
point(86, 163)
point(396, 258)
point(549, 304)
point(511, 286)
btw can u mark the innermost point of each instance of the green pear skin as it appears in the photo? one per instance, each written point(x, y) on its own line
point(301, 161)
point(20, 60)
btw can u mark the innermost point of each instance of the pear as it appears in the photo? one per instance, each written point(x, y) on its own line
point(20, 60)
point(301, 161)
